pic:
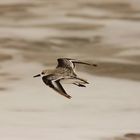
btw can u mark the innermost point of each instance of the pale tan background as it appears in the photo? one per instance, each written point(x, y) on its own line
point(33, 34)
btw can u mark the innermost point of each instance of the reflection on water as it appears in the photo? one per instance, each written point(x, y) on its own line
point(35, 33)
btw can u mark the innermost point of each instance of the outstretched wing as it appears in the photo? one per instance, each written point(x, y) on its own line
point(56, 85)
point(67, 62)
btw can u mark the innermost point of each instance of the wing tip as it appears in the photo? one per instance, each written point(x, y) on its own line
point(69, 97)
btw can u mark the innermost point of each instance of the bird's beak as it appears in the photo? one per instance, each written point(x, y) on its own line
point(37, 75)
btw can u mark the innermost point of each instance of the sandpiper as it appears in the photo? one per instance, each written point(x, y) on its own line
point(65, 71)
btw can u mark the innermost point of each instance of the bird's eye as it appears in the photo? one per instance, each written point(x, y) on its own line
point(42, 73)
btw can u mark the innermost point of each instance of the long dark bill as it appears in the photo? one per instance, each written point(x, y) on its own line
point(37, 75)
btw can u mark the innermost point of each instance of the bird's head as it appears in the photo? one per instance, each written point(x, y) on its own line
point(43, 73)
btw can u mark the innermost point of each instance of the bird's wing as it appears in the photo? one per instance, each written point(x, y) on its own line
point(56, 85)
point(67, 62)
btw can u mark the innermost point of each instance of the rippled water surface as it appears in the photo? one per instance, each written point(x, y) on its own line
point(33, 34)
point(105, 32)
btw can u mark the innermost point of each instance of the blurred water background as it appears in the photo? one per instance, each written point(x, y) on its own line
point(33, 34)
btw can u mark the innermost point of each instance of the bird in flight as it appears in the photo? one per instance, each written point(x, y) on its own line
point(64, 72)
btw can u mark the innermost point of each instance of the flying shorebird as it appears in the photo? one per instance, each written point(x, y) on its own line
point(65, 71)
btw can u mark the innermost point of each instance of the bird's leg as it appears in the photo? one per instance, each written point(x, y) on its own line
point(81, 80)
point(79, 85)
